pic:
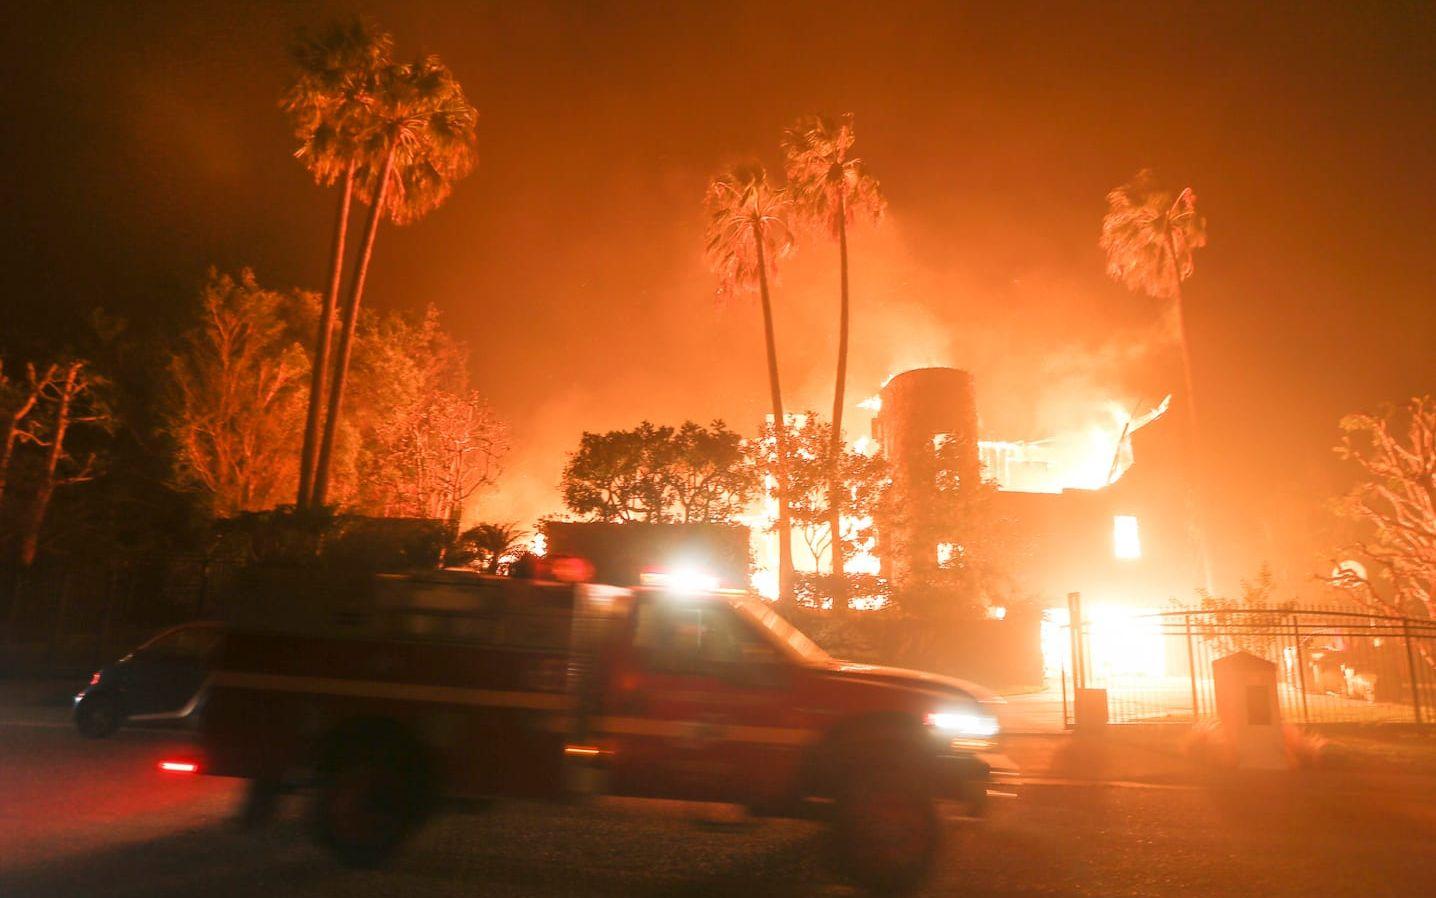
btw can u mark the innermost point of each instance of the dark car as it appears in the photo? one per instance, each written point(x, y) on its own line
point(160, 680)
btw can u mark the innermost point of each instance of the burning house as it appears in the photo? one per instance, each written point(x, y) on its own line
point(1103, 511)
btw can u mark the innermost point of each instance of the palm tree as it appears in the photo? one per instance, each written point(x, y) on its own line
point(417, 142)
point(831, 188)
point(328, 106)
point(489, 544)
point(746, 236)
point(1149, 237)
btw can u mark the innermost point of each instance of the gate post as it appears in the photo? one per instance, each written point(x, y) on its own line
point(1411, 666)
point(1192, 667)
point(1074, 626)
point(1067, 722)
point(1300, 665)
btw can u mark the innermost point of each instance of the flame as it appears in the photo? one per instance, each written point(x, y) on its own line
point(1121, 641)
point(1087, 458)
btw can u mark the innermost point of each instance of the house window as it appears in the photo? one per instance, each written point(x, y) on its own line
point(1126, 541)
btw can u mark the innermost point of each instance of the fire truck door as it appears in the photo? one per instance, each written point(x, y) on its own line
point(699, 710)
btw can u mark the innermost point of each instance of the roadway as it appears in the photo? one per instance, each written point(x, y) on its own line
point(1101, 818)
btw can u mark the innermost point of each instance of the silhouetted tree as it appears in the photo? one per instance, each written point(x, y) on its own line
point(487, 545)
point(831, 188)
point(1149, 236)
point(417, 142)
point(329, 106)
point(658, 474)
point(862, 482)
point(747, 234)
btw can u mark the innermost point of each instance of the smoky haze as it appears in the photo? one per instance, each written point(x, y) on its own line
point(571, 260)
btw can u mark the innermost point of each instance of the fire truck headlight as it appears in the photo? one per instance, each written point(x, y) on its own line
point(965, 725)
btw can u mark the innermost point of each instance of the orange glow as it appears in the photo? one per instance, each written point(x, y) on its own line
point(572, 569)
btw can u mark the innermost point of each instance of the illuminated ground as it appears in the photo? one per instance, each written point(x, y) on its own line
point(1089, 818)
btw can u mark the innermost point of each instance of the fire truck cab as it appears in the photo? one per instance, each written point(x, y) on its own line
point(453, 685)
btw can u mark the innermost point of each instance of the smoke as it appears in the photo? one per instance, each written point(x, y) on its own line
point(1054, 356)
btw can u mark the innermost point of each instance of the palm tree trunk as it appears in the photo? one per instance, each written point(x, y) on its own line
point(835, 445)
point(780, 429)
point(346, 335)
point(320, 363)
point(1194, 468)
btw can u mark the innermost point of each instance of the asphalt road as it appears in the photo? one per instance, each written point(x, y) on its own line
point(96, 818)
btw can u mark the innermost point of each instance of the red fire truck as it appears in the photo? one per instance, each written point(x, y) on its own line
point(390, 700)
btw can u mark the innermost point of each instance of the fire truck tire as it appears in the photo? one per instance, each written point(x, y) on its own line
point(99, 716)
point(886, 829)
point(260, 803)
point(373, 792)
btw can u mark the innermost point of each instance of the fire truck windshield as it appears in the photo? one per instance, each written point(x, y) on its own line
point(785, 634)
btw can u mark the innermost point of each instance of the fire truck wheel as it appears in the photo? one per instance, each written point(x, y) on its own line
point(99, 716)
point(260, 803)
point(885, 832)
point(372, 794)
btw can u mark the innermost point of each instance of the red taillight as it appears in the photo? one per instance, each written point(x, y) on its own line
point(179, 766)
point(94, 678)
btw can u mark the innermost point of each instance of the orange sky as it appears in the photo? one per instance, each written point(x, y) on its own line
point(146, 145)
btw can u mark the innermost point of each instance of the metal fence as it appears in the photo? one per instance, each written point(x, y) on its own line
point(1331, 666)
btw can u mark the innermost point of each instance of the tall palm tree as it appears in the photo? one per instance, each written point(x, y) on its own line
point(1149, 235)
point(418, 141)
point(747, 234)
point(831, 188)
point(328, 105)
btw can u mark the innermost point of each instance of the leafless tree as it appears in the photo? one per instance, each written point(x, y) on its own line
point(235, 412)
point(438, 455)
point(74, 398)
point(1395, 502)
point(18, 402)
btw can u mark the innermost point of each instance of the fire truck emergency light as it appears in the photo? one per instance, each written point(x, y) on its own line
point(685, 580)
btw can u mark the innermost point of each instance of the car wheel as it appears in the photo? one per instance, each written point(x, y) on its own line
point(98, 716)
point(886, 829)
point(371, 796)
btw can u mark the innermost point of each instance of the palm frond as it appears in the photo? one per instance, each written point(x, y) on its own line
point(1149, 236)
point(830, 187)
point(744, 209)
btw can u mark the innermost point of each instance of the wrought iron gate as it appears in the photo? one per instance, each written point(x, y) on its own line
point(1332, 666)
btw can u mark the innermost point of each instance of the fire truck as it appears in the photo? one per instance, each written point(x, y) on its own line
point(392, 698)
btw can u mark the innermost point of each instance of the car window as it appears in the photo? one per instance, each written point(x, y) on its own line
point(693, 638)
point(188, 643)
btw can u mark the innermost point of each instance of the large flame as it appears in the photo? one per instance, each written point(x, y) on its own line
point(1087, 458)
